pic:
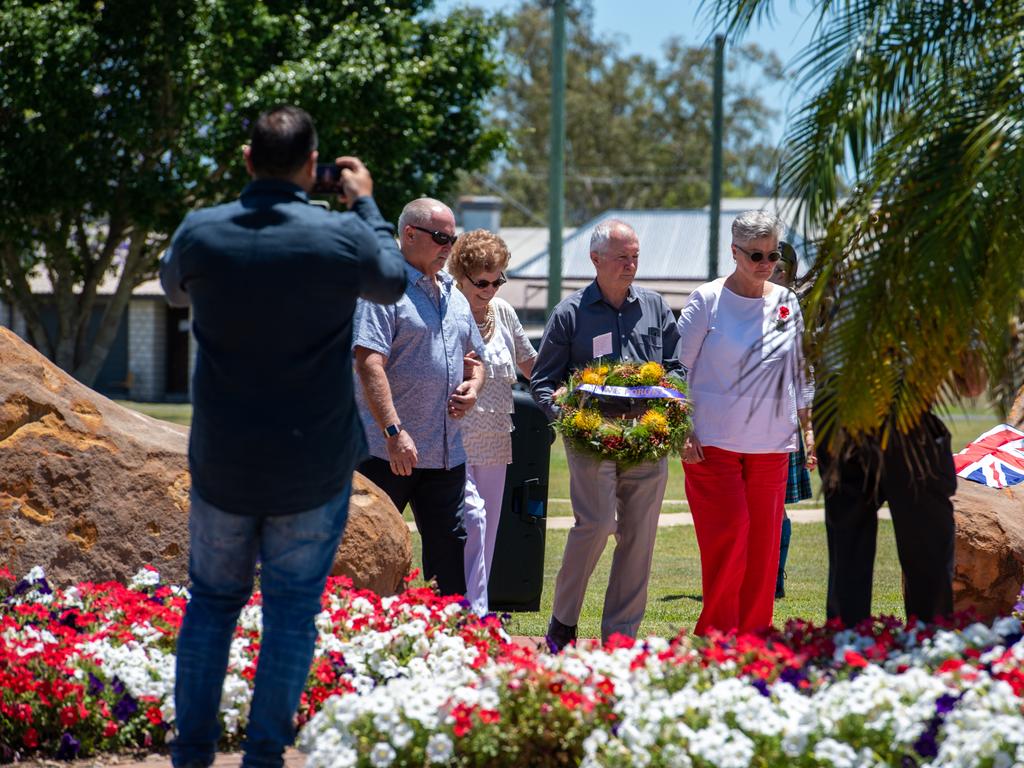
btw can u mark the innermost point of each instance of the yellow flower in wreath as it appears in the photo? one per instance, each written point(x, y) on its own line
point(594, 375)
point(655, 422)
point(651, 373)
point(586, 421)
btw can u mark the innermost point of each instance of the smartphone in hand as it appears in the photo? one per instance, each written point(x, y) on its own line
point(328, 180)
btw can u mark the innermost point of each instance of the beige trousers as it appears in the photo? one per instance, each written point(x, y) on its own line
point(610, 499)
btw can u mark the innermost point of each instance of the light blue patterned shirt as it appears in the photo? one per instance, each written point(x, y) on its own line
point(423, 344)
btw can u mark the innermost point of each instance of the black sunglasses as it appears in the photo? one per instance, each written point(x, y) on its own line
point(441, 238)
point(481, 284)
point(756, 256)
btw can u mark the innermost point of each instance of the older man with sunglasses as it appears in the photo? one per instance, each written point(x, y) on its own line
point(740, 339)
point(409, 359)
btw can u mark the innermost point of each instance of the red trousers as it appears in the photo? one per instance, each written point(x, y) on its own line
point(737, 501)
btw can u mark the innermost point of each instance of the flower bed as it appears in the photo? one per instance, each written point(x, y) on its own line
point(416, 680)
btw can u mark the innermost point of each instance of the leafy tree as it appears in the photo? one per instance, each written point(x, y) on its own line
point(923, 103)
point(115, 119)
point(638, 129)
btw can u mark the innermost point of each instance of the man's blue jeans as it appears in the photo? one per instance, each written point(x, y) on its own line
point(296, 553)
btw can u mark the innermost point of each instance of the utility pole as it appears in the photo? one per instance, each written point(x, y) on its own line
point(716, 158)
point(556, 200)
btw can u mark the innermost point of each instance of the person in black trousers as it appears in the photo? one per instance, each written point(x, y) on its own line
point(914, 473)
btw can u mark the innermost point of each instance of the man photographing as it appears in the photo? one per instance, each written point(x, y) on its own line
point(273, 283)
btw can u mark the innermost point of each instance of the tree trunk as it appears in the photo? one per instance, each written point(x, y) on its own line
point(1016, 417)
point(113, 312)
point(19, 294)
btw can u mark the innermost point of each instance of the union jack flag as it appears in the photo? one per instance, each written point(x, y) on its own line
point(995, 459)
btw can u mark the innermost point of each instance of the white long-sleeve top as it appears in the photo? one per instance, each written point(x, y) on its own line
point(745, 360)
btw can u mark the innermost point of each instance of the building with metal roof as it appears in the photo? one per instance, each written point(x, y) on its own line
point(673, 253)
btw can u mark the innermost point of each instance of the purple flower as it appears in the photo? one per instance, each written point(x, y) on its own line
point(793, 676)
point(69, 747)
point(926, 745)
point(96, 685)
point(762, 687)
point(117, 685)
point(125, 707)
point(945, 703)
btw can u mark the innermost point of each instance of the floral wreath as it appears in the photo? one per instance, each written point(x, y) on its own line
point(626, 411)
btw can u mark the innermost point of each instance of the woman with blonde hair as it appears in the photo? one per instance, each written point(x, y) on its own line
point(477, 263)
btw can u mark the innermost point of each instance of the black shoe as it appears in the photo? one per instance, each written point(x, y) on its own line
point(780, 585)
point(559, 635)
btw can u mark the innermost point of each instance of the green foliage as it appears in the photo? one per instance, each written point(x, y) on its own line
point(638, 130)
point(920, 268)
point(116, 119)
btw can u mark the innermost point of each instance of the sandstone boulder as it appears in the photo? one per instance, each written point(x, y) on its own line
point(989, 548)
point(376, 552)
point(92, 491)
point(989, 542)
point(88, 490)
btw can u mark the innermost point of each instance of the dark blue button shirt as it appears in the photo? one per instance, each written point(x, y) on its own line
point(642, 329)
point(273, 283)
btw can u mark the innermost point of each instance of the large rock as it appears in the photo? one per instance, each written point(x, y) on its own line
point(91, 491)
point(376, 552)
point(989, 541)
point(989, 548)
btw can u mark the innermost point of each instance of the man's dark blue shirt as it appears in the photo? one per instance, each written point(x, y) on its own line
point(273, 283)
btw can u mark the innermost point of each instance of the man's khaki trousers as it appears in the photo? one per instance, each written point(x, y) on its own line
point(609, 499)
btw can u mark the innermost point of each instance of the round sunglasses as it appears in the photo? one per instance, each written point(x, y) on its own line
point(756, 256)
point(481, 284)
point(441, 238)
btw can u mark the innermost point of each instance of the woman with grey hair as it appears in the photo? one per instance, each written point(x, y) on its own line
point(741, 343)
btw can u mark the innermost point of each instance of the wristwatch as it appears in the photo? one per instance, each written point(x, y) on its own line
point(392, 429)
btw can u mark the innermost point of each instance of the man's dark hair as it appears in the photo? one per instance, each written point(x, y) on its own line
point(282, 139)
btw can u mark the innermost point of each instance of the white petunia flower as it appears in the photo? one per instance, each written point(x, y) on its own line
point(382, 755)
point(439, 748)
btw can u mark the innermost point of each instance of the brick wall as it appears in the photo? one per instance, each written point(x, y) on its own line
point(147, 349)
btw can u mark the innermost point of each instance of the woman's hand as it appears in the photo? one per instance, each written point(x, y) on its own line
point(693, 452)
point(809, 449)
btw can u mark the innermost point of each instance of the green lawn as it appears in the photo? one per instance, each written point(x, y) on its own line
point(673, 601)
point(674, 598)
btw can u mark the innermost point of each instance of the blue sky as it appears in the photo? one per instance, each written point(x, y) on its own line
point(643, 25)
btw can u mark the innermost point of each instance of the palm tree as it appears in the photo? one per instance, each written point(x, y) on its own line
point(922, 102)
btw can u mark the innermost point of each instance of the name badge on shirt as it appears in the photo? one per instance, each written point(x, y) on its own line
point(603, 345)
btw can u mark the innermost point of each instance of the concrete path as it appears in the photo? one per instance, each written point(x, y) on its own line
point(797, 515)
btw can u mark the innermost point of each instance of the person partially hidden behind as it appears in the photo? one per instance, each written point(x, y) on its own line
point(913, 471)
point(272, 282)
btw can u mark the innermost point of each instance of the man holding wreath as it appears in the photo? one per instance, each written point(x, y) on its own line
point(612, 320)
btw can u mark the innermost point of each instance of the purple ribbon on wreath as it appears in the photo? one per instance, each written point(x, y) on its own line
point(645, 392)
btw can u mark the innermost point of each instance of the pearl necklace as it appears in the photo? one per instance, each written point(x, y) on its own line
point(486, 328)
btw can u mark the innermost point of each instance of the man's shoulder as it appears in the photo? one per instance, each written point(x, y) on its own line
point(570, 303)
point(211, 214)
point(457, 301)
point(648, 295)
